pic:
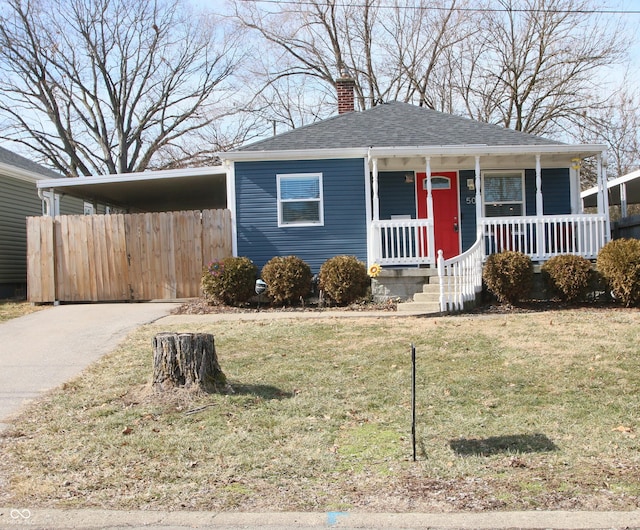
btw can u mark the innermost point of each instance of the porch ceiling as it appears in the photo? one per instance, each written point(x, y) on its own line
point(159, 191)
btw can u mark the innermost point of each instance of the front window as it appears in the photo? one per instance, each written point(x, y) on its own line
point(503, 194)
point(300, 199)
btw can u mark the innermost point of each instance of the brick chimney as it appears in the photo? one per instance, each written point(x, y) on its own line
point(344, 86)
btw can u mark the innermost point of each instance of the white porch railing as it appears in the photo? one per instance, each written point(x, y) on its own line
point(545, 237)
point(460, 277)
point(402, 241)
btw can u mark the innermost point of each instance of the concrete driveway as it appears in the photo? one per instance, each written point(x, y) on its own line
point(44, 349)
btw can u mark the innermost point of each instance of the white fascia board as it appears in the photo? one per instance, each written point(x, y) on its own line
point(294, 154)
point(22, 174)
point(132, 177)
point(582, 150)
point(488, 150)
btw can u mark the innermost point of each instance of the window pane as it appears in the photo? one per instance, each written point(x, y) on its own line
point(300, 188)
point(503, 188)
point(301, 212)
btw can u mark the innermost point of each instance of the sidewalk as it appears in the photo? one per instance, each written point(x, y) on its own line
point(103, 519)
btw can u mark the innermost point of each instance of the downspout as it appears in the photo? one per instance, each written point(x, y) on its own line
point(46, 201)
point(231, 203)
point(50, 207)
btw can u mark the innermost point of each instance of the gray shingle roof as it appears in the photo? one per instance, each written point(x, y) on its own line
point(395, 125)
point(13, 159)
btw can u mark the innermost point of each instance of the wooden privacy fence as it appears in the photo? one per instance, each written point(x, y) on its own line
point(148, 256)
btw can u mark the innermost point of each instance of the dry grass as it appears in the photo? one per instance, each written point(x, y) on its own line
point(514, 412)
point(9, 310)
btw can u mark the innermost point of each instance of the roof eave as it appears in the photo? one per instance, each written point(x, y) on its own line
point(21, 174)
point(132, 177)
point(294, 154)
point(582, 150)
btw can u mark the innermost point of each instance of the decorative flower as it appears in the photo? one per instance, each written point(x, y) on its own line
point(374, 270)
point(215, 268)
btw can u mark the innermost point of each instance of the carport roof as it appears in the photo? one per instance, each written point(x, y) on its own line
point(632, 183)
point(149, 191)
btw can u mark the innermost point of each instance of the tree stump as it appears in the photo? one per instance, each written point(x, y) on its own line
point(186, 360)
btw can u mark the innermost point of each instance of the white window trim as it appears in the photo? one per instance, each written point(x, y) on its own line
point(319, 200)
point(523, 202)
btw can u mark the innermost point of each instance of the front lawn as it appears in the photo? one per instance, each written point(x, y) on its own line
point(9, 310)
point(515, 412)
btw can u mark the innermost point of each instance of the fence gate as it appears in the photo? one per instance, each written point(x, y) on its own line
point(148, 256)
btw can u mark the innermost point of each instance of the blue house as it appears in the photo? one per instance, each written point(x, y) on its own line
point(424, 195)
point(414, 191)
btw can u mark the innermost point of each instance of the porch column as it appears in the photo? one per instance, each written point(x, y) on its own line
point(376, 199)
point(540, 239)
point(599, 197)
point(431, 236)
point(539, 200)
point(478, 194)
point(623, 200)
point(603, 194)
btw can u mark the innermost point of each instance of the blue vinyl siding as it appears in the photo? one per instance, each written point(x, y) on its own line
point(556, 191)
point(467, 209)
point(556, 196)
point(345, 225)
point(397, 197)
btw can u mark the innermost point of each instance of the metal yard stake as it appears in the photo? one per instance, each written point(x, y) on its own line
point(413, 400)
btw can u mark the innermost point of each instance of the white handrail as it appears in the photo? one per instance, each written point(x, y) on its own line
point(544, 237)
point(402, 241)
point(460, 277)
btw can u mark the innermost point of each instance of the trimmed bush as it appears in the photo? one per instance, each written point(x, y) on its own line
point(344, 279)
point(569, 276)
point(619, 264)
point(288, 279)
point(230, 281)
point(509, 276)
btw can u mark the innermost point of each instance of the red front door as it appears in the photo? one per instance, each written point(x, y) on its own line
point(446, 213)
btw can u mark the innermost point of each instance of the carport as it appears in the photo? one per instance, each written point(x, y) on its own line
point(150, 191)
point(163, 227)
point(623, 191)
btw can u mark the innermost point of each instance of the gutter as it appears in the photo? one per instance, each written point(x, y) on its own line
point(582, 150)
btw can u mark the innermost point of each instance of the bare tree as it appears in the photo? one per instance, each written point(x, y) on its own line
point(110, 86)
point(535, 66)
point(393, 52)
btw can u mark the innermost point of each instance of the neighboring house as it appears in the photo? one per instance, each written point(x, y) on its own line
point(396, 184)
point(18, 200)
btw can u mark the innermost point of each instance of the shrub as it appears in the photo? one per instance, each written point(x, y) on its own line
point(619, 264)
point(509, 276)
point(229, 281)
point(569, 276)
point(288, 279)
point(344, 279)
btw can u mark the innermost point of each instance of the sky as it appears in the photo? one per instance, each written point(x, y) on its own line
point(627, 11)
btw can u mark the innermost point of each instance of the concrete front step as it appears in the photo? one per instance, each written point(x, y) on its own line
point(431, 288)
point(421, 307)
point(426, 298)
